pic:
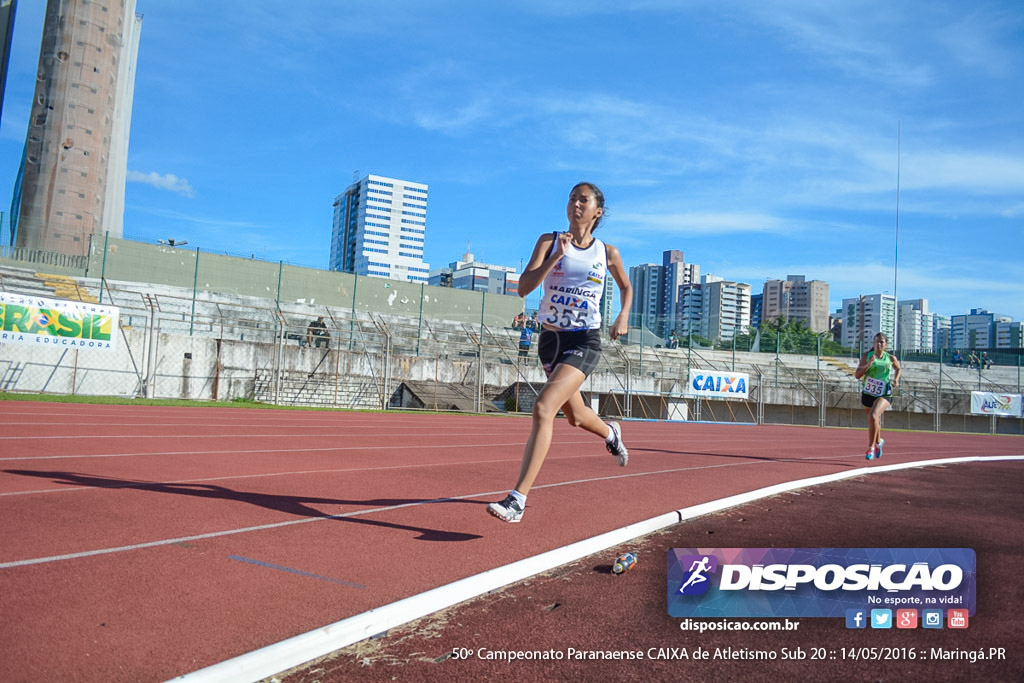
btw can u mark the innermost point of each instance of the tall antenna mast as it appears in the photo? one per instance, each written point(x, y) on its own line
point(896, 249)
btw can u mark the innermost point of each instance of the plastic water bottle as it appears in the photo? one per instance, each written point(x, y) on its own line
point(623, 563)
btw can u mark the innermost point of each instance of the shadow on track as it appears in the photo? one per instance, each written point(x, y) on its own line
point(780, 459)
point(298, 506)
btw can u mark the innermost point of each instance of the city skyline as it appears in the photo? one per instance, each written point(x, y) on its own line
point(760, 141)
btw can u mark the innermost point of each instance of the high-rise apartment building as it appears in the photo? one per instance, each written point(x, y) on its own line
point(942, 338)
point(646, 281)
point(657, 291)
point(379, 229)
point(916, 326)
point(1009, 335)
point(975, 330)
point(72, 179)
point(796, 299)
point(756, 309)
point(866, 316)
point(725, 308)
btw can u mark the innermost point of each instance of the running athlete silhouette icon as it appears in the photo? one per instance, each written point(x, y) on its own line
point(697, 570)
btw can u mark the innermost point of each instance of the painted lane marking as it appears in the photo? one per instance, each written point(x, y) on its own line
point(469, 496)
point(303, 648)
point(294, 571)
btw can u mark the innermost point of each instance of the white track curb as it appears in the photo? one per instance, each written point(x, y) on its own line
point(300, 649)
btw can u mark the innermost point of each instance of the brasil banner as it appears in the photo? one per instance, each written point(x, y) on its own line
point(56, 323)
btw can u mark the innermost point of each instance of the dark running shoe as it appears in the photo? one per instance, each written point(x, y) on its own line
point(507, 510)
point(615, 446)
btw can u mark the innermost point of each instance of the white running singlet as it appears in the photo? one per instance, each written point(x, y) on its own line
point(573, 289)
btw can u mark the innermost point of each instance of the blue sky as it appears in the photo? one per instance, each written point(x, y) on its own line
point(760, 138)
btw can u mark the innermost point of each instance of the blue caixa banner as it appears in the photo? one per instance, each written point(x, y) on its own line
point(817, 582)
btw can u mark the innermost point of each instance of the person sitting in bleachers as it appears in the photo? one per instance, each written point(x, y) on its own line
point(958, 359)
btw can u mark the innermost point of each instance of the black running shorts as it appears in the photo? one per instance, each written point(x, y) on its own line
point(580, 349)
point(867, 400)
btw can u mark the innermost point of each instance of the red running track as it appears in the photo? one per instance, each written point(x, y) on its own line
point(141, 543)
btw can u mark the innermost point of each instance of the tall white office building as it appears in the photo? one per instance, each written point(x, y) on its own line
point(657, 291)
point(866, 316)
point(379, 229)
point(725, 308)
point(916, 328)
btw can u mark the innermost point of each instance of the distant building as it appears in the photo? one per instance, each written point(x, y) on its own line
point(916, 326)
point(866, 316)
point(379, 229)
point(1009, 335)
point(796, 299)
point(756, 308)
point(471, 274)
point(941, 336)
point(975, 330)
point(725, 308)
point(71, 182)
point(657, 291)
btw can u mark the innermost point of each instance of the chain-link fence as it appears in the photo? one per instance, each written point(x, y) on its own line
point(181, 343)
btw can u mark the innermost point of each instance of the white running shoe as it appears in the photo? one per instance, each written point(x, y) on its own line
point(507, 510)
point(615, 446)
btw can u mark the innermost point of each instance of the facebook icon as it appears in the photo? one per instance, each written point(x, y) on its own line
point(856, 618)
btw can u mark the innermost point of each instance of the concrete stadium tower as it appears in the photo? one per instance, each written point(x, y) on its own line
point(72, 178)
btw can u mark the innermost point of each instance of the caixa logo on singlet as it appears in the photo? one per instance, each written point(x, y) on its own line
point(816, 582)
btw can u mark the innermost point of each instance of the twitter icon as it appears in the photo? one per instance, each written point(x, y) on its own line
point(881, 618)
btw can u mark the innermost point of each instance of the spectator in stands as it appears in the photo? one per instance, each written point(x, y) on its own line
point(958, 359)
point(572, 267)
point(525, 341)
point(986, 362)
point(972, 360)
point(519, 322)
point(533, 322)
point(318, 329)
point(673, 341)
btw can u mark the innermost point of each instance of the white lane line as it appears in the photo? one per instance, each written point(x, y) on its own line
point(303, 648)
point(602, 455)
point(230, 532)
point(371, 431)
point(276, 525)
point(248, 451)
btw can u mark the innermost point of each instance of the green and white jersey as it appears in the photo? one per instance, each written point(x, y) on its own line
point(876, 378)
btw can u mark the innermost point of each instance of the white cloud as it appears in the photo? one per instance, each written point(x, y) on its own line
point(168, 181)
point(701, 223)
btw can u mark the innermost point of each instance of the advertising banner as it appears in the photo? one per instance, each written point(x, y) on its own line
point(716, 384)
point(818, 582)
point(1004, 405)
point(56, 323)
